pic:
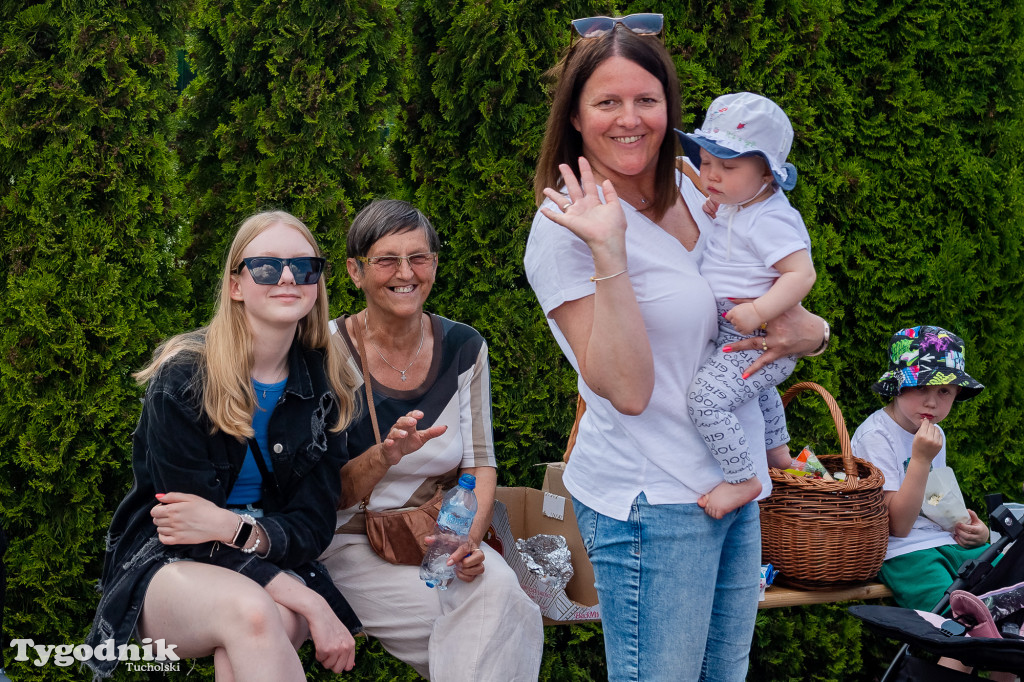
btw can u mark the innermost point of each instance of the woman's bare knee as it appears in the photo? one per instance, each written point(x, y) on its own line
point(202, 607)
point(253, 614)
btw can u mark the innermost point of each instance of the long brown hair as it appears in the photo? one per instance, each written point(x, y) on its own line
point(564, 144)
point(225, 345)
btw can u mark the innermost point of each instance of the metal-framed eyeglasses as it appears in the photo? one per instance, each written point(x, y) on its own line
point(417, 261)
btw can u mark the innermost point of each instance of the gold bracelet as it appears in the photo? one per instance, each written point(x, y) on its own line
point(595, 278)
point(824, 343)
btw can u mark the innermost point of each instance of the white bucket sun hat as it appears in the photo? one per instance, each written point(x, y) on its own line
point(741, 124)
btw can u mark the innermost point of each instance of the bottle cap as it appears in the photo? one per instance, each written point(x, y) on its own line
point(467, 481)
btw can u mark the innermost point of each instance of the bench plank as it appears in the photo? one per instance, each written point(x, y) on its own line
point(779, 595)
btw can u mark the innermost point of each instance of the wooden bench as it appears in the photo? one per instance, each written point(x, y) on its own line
point(779, 595)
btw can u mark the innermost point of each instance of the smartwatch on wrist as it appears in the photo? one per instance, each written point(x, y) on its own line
point(246, 524)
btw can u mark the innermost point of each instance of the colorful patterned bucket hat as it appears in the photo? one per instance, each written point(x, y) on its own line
point(741, 124)
point(926, 356)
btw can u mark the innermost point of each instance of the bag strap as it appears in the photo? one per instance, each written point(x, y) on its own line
point(581, 405)
point(361, 349)
point(261, 464)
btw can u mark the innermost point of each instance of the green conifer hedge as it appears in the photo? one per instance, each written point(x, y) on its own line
point(116, 195)
point(289, 109)
point(89, 239)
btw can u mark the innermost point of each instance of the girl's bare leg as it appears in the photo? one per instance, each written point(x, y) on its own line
point(208, 610)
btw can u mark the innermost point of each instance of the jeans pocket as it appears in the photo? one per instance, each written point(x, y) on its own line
point(586, 519)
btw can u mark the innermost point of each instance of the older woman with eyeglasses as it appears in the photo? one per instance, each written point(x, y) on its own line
point(430, 378)
point(612, 256)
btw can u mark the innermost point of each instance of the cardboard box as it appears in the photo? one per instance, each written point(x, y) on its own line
point(525, 512)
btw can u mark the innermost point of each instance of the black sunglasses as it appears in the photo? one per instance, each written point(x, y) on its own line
point(642, 24)
point(267, 269)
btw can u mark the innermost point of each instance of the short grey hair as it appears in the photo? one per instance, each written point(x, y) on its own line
point(382, 217)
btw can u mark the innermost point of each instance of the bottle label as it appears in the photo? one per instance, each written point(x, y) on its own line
point(456, 523)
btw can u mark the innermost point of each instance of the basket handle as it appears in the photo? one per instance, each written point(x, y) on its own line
point(849, 466)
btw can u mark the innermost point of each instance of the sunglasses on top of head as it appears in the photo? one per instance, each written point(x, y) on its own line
point(268, 270)
point(641, 24)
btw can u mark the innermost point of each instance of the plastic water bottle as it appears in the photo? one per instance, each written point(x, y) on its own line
point(452, 529)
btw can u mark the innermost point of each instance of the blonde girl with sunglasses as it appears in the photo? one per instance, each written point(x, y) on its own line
point(236, 458)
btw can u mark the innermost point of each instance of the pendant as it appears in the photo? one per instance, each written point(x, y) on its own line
point(404, 377)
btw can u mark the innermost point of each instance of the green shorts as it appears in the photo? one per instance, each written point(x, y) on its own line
point(919, 579)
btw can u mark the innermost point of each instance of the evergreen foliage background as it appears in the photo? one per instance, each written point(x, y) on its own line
point(289, 109)
point(89, 240)
point(118, 196)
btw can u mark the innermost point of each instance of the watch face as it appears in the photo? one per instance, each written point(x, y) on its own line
point(242, 536)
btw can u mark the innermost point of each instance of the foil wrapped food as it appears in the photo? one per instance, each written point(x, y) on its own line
point(547, 557)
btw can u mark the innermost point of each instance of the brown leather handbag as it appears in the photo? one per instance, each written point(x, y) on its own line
point(396, 535)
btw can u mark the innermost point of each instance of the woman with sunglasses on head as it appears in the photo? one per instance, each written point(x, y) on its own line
point(235, 460)
point(612, 257)
point(429, 377)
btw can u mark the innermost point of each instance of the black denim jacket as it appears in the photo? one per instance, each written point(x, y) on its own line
point(174, 451)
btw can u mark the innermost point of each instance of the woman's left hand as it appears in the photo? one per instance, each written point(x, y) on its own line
point(185, 519)
point(794, 332)
point(470, 565)
point(974, 533)
point(334, 644)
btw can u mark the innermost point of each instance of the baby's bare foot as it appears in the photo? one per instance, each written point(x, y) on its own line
point(726, 497)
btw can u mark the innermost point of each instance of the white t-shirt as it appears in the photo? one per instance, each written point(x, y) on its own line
point(743, 245)
point(887, 445)
point(658, 452)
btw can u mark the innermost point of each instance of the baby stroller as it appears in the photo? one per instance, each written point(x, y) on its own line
point(945, 636)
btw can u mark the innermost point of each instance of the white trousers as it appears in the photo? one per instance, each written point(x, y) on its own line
point(488, 629)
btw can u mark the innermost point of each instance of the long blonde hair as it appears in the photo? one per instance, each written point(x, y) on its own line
point(225, 345)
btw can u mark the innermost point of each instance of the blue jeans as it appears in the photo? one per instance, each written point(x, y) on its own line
point(678, 590)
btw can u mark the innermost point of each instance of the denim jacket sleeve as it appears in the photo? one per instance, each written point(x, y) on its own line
point(181, 454)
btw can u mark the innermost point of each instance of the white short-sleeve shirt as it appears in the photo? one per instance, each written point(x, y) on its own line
point(744, 245)
point(658, 452)
point(887, 445)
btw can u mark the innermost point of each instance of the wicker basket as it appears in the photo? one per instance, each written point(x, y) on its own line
point(826, 534)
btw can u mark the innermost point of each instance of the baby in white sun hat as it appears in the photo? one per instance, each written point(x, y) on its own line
point(757, 259)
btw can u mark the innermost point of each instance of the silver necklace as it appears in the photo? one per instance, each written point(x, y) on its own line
point(366, 326)
point(270, 383)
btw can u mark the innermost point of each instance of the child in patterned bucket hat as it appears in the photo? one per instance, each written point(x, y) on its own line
point(904, 440)
point(926, 356)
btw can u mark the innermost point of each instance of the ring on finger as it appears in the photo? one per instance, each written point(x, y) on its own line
point(764, 344)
